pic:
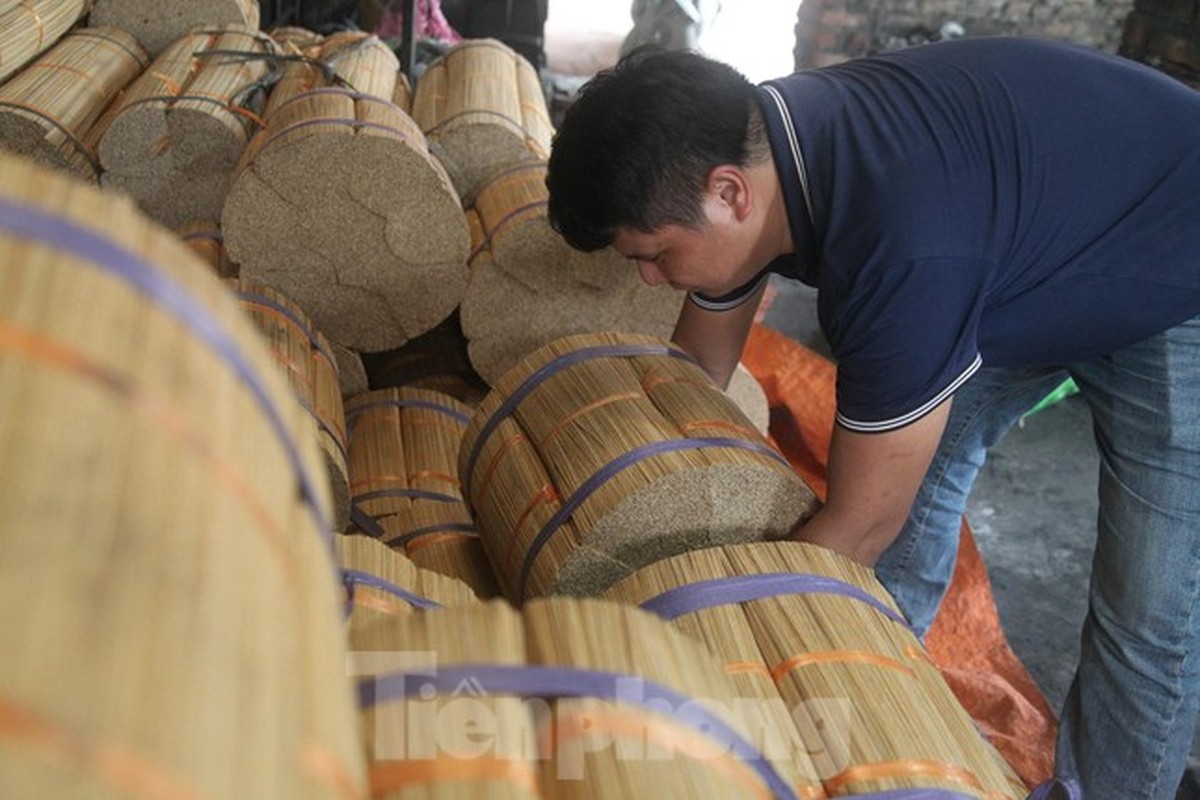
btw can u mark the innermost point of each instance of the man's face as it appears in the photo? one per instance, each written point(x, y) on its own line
point(711, 259)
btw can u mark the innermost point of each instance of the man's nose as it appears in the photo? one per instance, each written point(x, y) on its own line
point(651, 275)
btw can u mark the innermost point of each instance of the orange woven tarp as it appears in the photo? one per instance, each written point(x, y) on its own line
point(966, 640)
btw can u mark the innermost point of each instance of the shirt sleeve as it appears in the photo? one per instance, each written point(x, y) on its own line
point(904, 337)
point(732, 300)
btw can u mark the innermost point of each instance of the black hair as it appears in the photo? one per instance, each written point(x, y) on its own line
point(636, 146)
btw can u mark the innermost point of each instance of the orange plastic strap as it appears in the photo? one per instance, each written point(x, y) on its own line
point(913, 768)
point(501, 451)
point(837, 657)
point(625, 724)
point(718, 424)
point(745, 667)
point(367, 597)
point(422, 542)
point(583, 411)
point(168, 83)
point(654, 380)
point(546, 494)
point(433, 475)
point(388, 777)
point(123, 770)
point(329, 769)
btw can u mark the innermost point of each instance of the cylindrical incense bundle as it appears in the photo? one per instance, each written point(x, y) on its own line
point(352, 373)
point(600, 453)
point(339, 204)
point(304, 354)
point(29, 27)
point(51, 111)
point(380, 582)
point(176, 134)
point(156, 24)
point(445, 743)
point(725, 631)
point(873, 710)
point(161, 500)
point(528, 287)
point(205, 240)
point(302, 38)
point(362, 63)
point(403, 452)
point(671, 727)
point(352, 60)
point(570, 698)
point(482, 106)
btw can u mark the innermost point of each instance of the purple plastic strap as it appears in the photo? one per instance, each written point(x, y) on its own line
point(674, 603)
point(458, 416)
point(611, 469)
point(412, 494)
point(88, 246)
point(353, 577)
point(366, 523)
point(356, 124)
point(284, 311)
point(557, 682)
point(449, 527)
point(545, 371)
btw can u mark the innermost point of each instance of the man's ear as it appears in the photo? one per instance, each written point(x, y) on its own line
point(730, 185)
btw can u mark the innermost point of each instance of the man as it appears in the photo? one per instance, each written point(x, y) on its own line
point(981, 218)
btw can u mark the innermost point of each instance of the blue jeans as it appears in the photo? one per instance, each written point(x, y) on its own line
point(1127, 723)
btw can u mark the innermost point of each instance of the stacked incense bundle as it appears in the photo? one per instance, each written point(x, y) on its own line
point(600, 453)
point(352, 373)
point(352, 60)
point(205, 240)
point(161, 501)
point(302, 38)
point(364, 63)
point(873, 710)
point(176, 133)
point(338, 203)
point(528, 287)
point(157, 24)
point(403, 452)
point(566, 699)
point(50, 111)
point(381, 583)
point(426, 745)
point(28, 27)
point(483, 108)
point(304, 355)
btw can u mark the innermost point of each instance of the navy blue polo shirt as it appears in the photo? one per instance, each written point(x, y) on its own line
point(997, 201)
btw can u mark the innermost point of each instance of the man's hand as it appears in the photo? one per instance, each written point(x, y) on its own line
point(873, 479)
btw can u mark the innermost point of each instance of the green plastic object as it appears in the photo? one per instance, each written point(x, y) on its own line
point(1064, 390)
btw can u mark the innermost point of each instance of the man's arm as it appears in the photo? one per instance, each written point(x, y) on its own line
point(716, 338)
point(873, 479)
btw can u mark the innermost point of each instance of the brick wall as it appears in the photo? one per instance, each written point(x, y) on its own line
point(829, 31)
